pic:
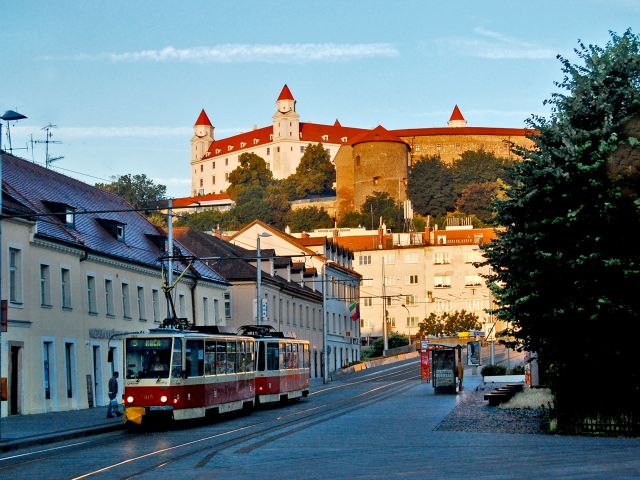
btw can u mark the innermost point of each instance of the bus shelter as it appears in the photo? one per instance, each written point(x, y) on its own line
point(446, 367)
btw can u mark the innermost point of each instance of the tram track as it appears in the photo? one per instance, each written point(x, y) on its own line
point(261, 433)
point(300, 420)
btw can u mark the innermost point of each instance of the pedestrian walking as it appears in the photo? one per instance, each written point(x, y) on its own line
point(113, 394)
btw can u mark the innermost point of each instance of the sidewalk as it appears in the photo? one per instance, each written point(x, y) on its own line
point(20, 431)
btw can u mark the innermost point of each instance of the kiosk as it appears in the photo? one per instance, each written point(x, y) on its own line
point(446, 367)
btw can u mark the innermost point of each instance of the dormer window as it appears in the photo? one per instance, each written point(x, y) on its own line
point(255, 141)
point(243, 144)
point(343, 139)
point(325, 137)
point(115, 228)
point(66, 214)
point(218, 151)
point(271, 136)
point(229, 148)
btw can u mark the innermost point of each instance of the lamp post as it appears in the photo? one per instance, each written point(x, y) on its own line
point(8, 116)
point(259, 278)
point(408, 322)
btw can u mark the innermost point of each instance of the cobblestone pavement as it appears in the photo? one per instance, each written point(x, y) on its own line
point(473, 414)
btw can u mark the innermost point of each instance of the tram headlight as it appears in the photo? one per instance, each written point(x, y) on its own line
point(163, 399)
point(129, 399)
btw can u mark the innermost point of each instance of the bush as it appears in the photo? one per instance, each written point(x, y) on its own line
point(517, 370)
point(491, 370)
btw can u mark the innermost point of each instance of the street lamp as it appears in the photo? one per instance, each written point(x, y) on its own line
point(8, 116)
point(408, 321)
point(259, 278)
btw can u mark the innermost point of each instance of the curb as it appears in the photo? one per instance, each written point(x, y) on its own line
point(58, 437)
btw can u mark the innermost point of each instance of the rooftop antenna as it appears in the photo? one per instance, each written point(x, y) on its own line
point(48, 135)
point(11, 116)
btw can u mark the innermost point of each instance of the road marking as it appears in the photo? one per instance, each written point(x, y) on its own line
point(150, 454)
point(384, 373)
point(42, 451)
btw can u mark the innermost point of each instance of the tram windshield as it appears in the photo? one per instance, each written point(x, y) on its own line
point(148, 357)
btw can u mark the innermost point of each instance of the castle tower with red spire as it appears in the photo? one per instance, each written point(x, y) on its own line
point(200, 143)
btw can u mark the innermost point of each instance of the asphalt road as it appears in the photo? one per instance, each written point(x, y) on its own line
point(379, 424)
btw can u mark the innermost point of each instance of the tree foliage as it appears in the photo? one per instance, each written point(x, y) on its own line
point(448, 323)
point(394, 340)
point(307, 219)
point(138, 190)
point(315, 173)
point(252, 171)
point(477, 199)
point(202, 221)
point(381, 204)
point(568, 266)
point(479, 166)
point(430, 187)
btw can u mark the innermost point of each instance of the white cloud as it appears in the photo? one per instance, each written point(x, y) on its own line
point(495, 46)
point(113, 132)
point(247, 53)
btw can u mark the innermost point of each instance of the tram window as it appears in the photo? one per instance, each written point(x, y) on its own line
point(261, 356)
point(245, 357)
point(307, 357)
point(273, 354)
point(250, 362)
point(282, 356)
point(210, 358)
point(148, 357)
point(176, 361)
point(195, 358)
point(231, 357)
point(221, 357)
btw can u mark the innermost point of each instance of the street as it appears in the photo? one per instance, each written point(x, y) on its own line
point(378, 424)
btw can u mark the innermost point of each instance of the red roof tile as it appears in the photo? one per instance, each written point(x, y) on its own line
point(285, 94)
point(378, 134)
point(456, 114)
point(203, 119)
point(426, 132)
point(185, 201)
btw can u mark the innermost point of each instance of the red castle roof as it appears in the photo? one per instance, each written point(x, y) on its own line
point(203, 119)
point(285, 94)
point(456, 114)
point(378, 134)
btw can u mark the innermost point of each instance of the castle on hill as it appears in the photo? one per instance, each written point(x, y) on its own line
point(366, 160)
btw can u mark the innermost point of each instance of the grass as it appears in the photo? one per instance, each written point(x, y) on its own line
point(531, 398)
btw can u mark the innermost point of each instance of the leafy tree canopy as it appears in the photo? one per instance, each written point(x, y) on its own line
point(138, 190)
point(381, 204)
point(430, 187)
point(252, 171)
point(477, 199)
point(479, 166)
point(202, 221)
point(307, 219)
point(449, 323)
point(315, 173)
point(568, 264)
point(354, 220)
point(394, 340)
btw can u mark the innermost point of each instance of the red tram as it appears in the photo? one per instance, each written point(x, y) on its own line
point(182, 374)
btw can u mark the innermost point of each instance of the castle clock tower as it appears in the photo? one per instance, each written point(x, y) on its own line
point(286, 122)
point(202, 137)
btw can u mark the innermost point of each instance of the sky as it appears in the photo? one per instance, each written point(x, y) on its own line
point(125, 81)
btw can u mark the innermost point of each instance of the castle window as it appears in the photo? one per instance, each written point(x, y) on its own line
point(278, 149)
point(243, 144)
point(201, 182)
point(218, 151)
point(292, 149)
point(226, 176)
point(457, 146)
point(213, 164)
point(325, 137)
point(358, 160)
point(255, 141)
point(268, 166)
point(343, 139)
point(229, 148)
point(226, 161)
point(328, 151)
point(376, 180)
point(213, 179)
point(438, 146)
point(268, 151)
point(271, 136)
point(301, 148)
point(201, 167)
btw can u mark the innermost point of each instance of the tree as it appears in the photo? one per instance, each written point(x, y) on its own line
point(354, 220)
point(252, 171)
point(315, 173)
point(567, 267)
point(381, 204)
point(138, 190)
point(448, 323)
point(477, 199)
point(306, 219)
point(430, 187)
point(201, 221)
point(479, 166)
point(394, 340)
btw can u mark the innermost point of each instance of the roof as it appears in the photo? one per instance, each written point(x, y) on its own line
point(46, 193)
point(285, 94)
point(211, 197)
point(378, 134)
point(426, 132)
point(456, 114)
point(203, 119)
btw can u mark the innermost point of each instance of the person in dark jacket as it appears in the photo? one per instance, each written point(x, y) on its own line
point(113, 394)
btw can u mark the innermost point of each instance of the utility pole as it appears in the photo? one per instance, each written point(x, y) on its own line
point(384, 311)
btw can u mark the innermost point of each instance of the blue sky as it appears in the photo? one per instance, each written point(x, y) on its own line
point(124, 81)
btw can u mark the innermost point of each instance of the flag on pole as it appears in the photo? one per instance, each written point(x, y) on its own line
point(354, 310)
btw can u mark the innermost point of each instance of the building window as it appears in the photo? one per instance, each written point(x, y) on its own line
point(70, 217)
point(227, 305)
point(201, 167)
point(365, 260)
point(438, 146)
point(367, 282)
point(213, 165)
point(389, 258)
point(389, 281)
point(65, 287)
point(142, 313)
point(411, 258)
point(15, 276)
point(205, 310)
point(472, 257)
point(47, 357)
point(409, 299)
point(268, 166)
point(216, 311)
point(181, 305)
point(412, 321)
point(68, 367)
point(457, 146)
point(391, 321)
point(472, 280)
point(226, 161)
point(440, 258)
point(213, 179)
point(412, 279)
point(45, 286)
point(268, 151)
point(201, 183)
point(226, 176)
point(442, 305)
point(376, 180)
point(278, 149)
point(91, 294)
point(367, 301)
point(108, 297)
point(126, 301)
point(155, 303)
point(301, 148)
point(442, 281)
